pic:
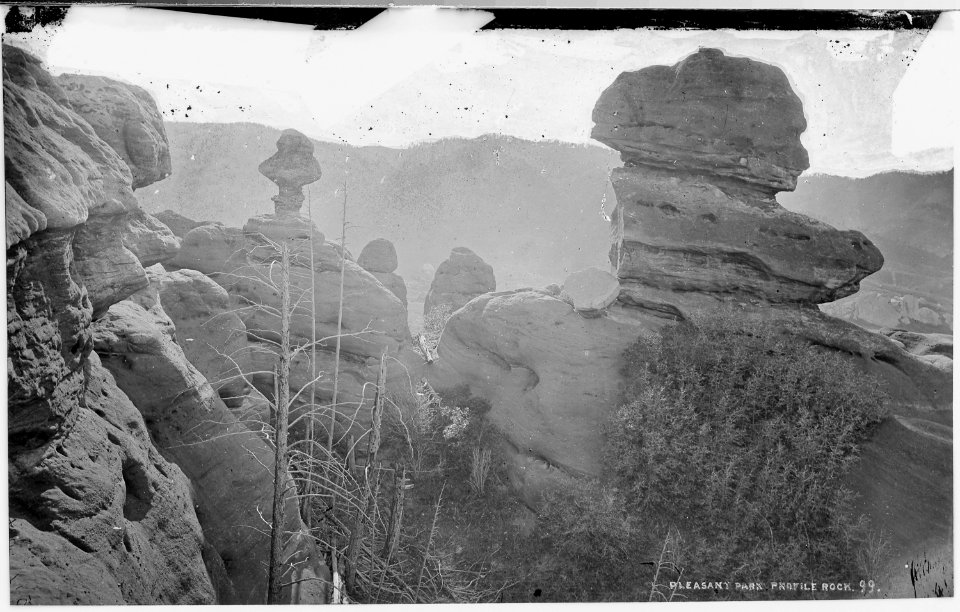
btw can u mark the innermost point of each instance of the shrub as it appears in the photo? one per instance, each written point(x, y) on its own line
point(740, 437)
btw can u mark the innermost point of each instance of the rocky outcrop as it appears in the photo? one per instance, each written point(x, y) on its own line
point(97, 515)
point(177, 223)
point(207, 248)
point(211, 334)
point(460, 278)
point(379, 258)
point(707, 144)
point(229, 465)
point(125, 117)
point(100, 517)
point(550, 374)
point(884, 308)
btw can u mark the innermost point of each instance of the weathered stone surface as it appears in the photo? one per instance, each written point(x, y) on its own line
point(208, 247)
point(229, 465)
point(460, 278)
point(550, 374)
point(150, 240)
point(98, 516)
point(177, 223)
point(126, 117)
point(212, 336)
point(879, 309)
point(725, 116)
point(684, 233)
point(52, 157)
point(22, 220)
point(590, 290)
point(374, 319)
point(109, 270)
point(378, 256)
point(393, 282)
point(291, 167)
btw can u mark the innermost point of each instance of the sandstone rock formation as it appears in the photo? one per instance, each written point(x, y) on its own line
point(207, 247)
point(229, 465)
point(177, 223)
point(379, 258)
point(211, 334)
point(590, 290)
point(291, 167)
point(707, 144)
point(126, 118)
point(97, 515)
point(460, 278)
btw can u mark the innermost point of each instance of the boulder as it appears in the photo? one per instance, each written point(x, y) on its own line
point(378, 256)
point(460, 278)
point(590, 290)
point(207, 248)
point(125, 117)
point(148, 238)
point(727, 117)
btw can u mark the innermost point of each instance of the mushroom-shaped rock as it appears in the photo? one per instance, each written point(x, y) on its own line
point(378, 256)
point(459, 279)
point(291, 167)
point(708, 143)
point(590, 290)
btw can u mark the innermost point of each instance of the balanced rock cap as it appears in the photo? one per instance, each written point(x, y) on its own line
point(590, 289)
point(731, 117)
point(291, 167)
point(378, 256)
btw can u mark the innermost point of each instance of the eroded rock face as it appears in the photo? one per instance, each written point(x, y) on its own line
point(460, 278)
point(212, 336)
point(550, 375)
point(125, 117)
point(177, 223)
point(707, 144)
point(207, 248)
point(724, 116)
point(98, 516)
point(229, 465)
point(101, 517)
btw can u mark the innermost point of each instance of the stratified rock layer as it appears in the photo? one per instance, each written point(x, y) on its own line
point(97, 515)
point(729, 117)
point(460, 278)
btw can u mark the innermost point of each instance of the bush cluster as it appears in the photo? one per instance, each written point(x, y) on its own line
point(739, 437)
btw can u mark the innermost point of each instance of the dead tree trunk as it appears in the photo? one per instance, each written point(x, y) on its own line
point(282, 399)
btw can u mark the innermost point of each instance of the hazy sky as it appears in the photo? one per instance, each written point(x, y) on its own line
point(873, 100)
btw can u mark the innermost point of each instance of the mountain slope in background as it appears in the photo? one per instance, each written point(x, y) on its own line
point(910, 218)
point(535, 211)
point(531, 210)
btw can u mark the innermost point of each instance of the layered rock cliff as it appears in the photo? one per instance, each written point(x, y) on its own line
point(97, 514)
point(130, 480)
